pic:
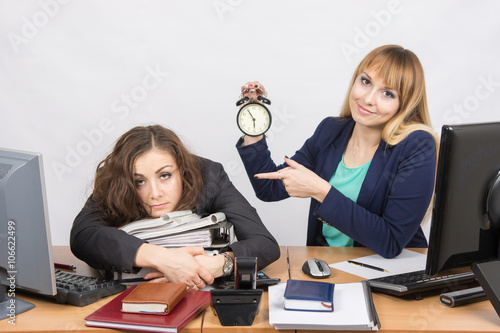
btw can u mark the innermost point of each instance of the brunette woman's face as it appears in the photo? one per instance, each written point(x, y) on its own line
point(372, 103)
point(158, 182)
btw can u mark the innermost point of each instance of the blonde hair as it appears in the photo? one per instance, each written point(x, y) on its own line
point(401, 70)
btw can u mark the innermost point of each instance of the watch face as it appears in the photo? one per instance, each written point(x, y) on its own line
point(228, 264)
point(254, 119)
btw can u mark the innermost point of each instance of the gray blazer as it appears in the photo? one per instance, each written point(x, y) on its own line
point(109, 248)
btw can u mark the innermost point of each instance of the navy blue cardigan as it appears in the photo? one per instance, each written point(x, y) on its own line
point(393, 199)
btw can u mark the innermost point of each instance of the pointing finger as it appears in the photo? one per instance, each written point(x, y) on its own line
point(268, 175)
point(272, 175)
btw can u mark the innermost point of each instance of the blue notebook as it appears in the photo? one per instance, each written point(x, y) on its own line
point(303, 295)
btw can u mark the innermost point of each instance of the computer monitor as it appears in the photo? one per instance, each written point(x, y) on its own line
point(463, 229)
point(26, 261)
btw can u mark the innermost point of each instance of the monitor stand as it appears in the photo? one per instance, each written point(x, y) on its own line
point(488, 275)
point(488, 272)
point(10, 307)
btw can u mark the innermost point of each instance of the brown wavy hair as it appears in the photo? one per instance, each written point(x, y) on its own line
point(114, 190)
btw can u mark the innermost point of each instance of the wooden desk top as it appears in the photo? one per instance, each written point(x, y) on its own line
point(49, 316)
point(398, 314)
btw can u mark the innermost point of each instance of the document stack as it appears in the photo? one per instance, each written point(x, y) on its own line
point(184, 228)
point(111, 315)
point(352, 309)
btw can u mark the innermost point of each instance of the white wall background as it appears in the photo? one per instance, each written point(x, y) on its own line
point(74, 75)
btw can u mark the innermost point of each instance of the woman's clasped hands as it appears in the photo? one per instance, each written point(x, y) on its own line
point(188, 265)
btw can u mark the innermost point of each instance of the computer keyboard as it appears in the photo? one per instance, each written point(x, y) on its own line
point(82, 290)
point(418, 281)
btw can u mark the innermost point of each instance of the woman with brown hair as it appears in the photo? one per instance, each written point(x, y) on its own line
point(369, 172)
point(149, 173)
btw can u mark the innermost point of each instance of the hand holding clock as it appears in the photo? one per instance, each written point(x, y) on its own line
point(253, 118)
point(299, 181)
point(253, 89)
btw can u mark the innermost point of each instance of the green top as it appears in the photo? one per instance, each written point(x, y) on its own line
point(347, 181)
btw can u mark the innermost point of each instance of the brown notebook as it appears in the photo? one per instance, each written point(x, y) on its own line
point(154, 298)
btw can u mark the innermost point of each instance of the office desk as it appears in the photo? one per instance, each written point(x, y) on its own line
point(396, 314)
point(49, 316)
point(401, 314)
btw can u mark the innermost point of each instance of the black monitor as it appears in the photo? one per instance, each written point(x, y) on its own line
point(465, 221)
point(26, 261)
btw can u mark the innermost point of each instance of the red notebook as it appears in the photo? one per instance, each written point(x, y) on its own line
point(111, 316)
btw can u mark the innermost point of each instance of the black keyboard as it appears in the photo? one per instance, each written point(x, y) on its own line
point(82, 290)
point(418, 281)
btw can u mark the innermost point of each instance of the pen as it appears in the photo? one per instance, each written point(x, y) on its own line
point(64, 266)
point(367, 266)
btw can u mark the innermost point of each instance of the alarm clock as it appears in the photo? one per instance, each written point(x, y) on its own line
point(253, 118)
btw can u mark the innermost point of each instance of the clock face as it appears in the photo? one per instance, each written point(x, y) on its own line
point(254, 119)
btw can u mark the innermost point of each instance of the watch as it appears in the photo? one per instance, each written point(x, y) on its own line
point(254, 118)
point(228, 264)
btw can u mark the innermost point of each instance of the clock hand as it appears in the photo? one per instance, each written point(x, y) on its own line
point(251, 116)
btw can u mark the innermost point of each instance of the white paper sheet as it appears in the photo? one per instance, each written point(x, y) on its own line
point(407, 261)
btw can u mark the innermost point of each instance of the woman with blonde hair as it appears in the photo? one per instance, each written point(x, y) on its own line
point(149, 173)
point(370, 171)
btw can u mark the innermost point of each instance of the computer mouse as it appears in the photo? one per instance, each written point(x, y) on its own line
point(316, 268)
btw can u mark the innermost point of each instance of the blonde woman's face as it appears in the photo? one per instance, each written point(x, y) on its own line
point(158, 182)
point(372, 103)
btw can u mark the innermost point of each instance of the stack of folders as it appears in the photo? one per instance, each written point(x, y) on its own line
point(184, 228)
point(315, 305)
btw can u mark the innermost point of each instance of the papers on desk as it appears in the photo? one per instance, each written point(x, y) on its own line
point(354, 310)
point(407, 261)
